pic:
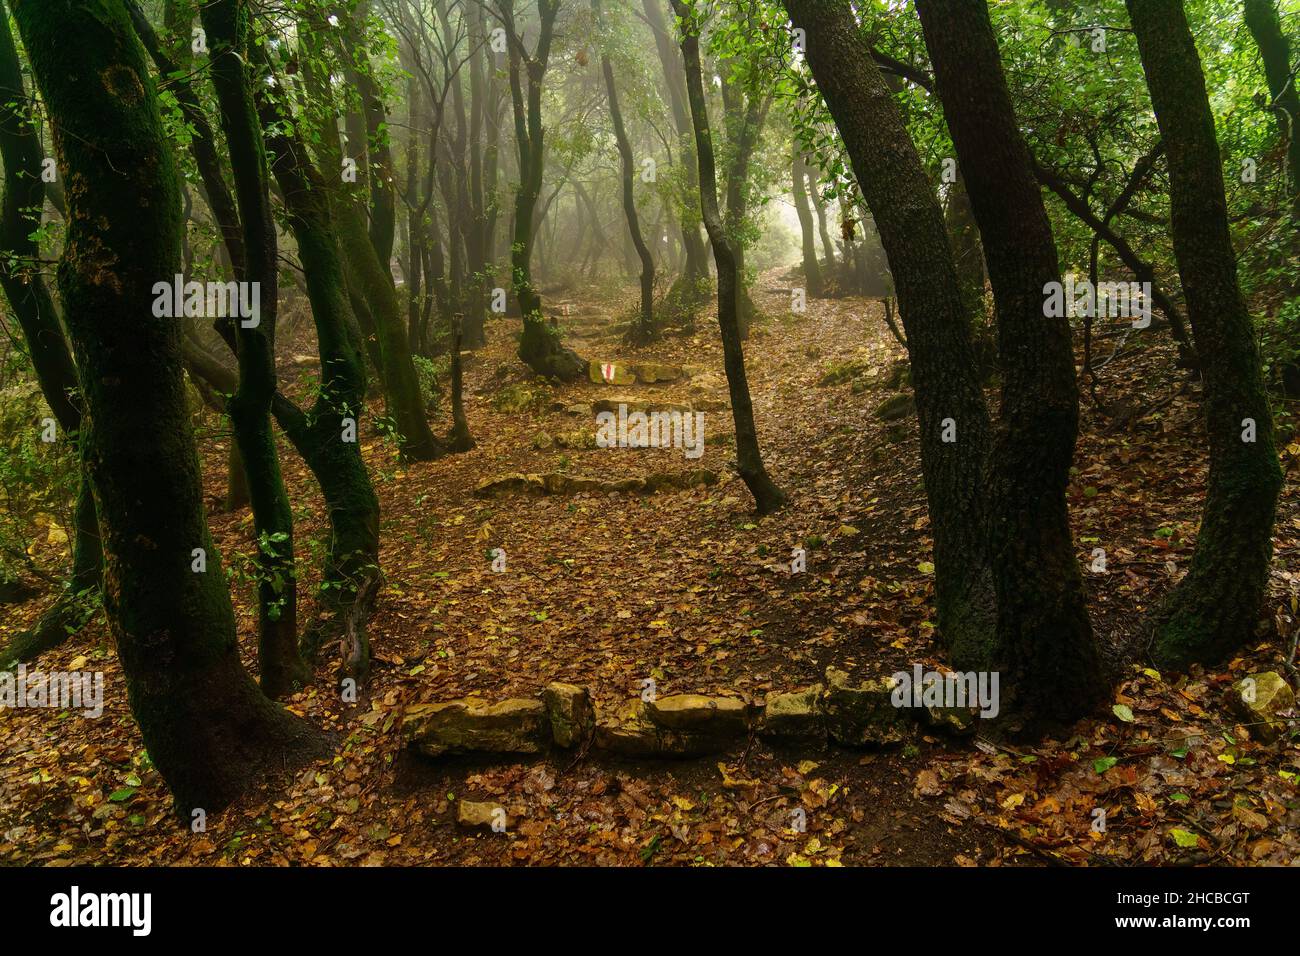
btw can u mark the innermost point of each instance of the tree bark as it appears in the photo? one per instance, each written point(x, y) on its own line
point(944, 379)
point(56, 373)
point(749, 460)
point(1214, 609)
point(227, 23)
point(812, 272)
point(645, 330)
point(1044, 632)
point(539, 346)
point(690, 287)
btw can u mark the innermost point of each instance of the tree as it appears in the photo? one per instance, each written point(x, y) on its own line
point(949, 403)
point(1043, 629)
point(32, 304)
point(749, 460)
point(540, 346)
point(283, 669)
point(688, 288)
point(644, 330)
point(1214, 609)
point(1275, 50)
point(811, 267)
point(208, 728)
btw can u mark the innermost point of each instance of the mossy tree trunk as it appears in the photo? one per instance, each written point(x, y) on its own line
point(645, 329)
point(1044, 634)
point(283, 669)
point(690, 288)
point(56, 373)
point(1265, 26)
point(208, 728)
point(812, 272)
point(1213, 611)
point(949, 403)
point(749, 460)
point(540, 346)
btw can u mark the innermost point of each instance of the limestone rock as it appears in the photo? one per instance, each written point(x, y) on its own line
point(1259, 699)
point(895, 407)
point(569, 710)
point(509, 485)
point(485, 815)
point(517, 726)
point(626, 730)
point(635, 404)
point(651, 372)
point(959, 721)
point(682, 725)
point(694, 478)
point(795, 716)
point(862, 716)
point(697, 713)
point(610, 373)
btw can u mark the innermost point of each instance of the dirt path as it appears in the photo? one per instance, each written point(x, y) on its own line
point(604, 591)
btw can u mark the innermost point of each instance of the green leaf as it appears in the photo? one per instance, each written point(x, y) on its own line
point(125, 793)
point(1184, 838)
point(1102, 764)
point(1123, 712)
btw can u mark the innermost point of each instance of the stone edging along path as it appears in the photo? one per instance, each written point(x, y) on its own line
point(677, 725)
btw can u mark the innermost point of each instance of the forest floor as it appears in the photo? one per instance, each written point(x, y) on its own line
point(692, 589)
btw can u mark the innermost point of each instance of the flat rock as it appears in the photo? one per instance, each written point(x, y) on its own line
point(563, 483)
point(610, 373)
point(516, 726)
point(509, 485)
point(795, 716)
point(648, 373)
point(697, 713)
point(863, 716)
point(568, 707)
point(895, 407)
point(483, 815)
point(635, 404)
point(1259, 699)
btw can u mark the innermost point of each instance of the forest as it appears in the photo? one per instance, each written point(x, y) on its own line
point(649, 433)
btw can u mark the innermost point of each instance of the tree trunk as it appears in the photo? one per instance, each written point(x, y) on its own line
point(949, 402)
point(749, 460)
point(645, 330)
point(1214, 609)
point(690, 288)
point(823, 230)
point(209, 730)
point(539, 347)
point(30, 300)
point(1266, 28)
point(227, 23)
point(812, 272)
point(328, 436)
point(1044, 633)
